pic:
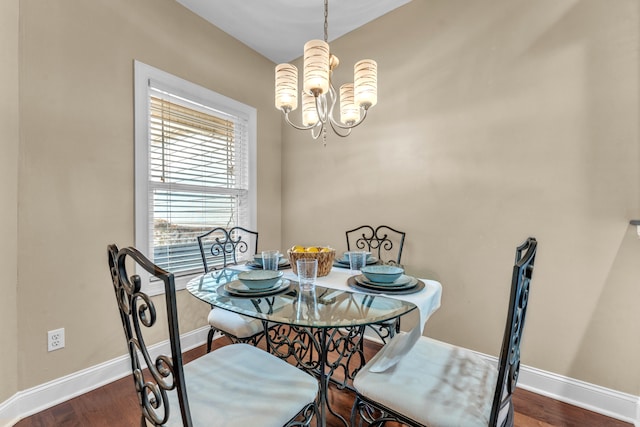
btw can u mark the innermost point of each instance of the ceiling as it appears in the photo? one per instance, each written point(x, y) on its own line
point(278, 29)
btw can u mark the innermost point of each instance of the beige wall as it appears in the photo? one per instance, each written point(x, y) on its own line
point(8, 193)
point(76, 170)
point(484, 107)
point(496, 120)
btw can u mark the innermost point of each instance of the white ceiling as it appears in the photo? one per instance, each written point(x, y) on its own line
point(278, 29)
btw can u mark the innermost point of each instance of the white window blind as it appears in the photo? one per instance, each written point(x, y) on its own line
point(198, 177)
point(197, 171)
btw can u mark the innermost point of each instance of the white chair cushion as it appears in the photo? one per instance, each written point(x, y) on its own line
point(241, 385)
point(234, 323)
point(436, 384)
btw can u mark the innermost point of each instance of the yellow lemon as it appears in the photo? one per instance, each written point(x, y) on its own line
point(325, 250)
point(297, 248)
point(312, 249)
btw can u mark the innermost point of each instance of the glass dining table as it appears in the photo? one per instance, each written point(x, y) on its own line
point(320, 330)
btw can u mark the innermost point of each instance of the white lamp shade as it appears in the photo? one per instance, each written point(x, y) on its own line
point(286, 87)
point(349, 111)
point(316, 67)
point(309, 110)
point(366, 83)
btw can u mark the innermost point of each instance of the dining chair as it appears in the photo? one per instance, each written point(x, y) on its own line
point(220, 248)
point(437, 384)
point(383, 242)
point(236, 385)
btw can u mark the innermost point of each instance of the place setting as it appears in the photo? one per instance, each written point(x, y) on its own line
point(344, 262)
point(267, 257)
point(256, 283)
point(265, 281)
point(386, 279)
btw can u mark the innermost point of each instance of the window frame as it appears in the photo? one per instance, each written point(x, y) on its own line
point(143, 76)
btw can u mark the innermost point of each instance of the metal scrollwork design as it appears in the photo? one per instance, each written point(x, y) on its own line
point(385, 330)
point(226, 245)
point(299, 343)
point(370, 414)
point(306, 346)
point(154, 377)
point(346, 344)
point(382, 241)
point(229, 247)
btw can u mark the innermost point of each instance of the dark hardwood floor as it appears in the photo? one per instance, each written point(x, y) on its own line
point(116, 405)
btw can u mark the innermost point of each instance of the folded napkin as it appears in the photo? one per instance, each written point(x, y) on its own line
point(401, 343)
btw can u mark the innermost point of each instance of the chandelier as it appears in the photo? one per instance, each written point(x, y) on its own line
point(319, 97)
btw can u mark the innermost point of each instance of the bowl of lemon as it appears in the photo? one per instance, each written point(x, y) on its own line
point(324, 254)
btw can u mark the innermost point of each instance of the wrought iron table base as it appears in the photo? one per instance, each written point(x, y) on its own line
point(310, 348)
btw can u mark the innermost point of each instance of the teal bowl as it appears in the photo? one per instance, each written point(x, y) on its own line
point(382, 273)
point(260, 279)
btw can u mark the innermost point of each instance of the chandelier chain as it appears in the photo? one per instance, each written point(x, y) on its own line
point(326, 21)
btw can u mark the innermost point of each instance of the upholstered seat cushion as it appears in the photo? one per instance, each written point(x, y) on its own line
point(234, 323)
point(241, 385)
point(436, 384)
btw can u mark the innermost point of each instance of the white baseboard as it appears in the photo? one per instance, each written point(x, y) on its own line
point(612, 403)
point(592, 397)
point(36, 399)
point(615, 404)
point(8, 414)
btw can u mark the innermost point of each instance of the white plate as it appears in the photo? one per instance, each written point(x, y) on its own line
point(382, 290)
point(405, 283)
point(281, 261)
point(400, 281)
point(240, 289)
point(370, 260)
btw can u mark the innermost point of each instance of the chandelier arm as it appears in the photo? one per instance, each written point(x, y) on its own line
point(336, 129)
point(334, 99)
point(337, 124)
point(286, 117)
point(319, 126)
point(321, 108)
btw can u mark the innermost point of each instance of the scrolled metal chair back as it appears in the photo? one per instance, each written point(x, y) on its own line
point(226, 245)
point(138, 314)
point(509, 361)
point(384, 242)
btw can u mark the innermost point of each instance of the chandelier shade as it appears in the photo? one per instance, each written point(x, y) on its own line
point(316, 67)
point(349, 112)
point(286, 87)
point(309, 110)
point(366, 83)
point(318, 94)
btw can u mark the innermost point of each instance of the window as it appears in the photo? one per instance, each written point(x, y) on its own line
point(195, 169)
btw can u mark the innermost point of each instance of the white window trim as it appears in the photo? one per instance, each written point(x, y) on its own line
point(143, 74)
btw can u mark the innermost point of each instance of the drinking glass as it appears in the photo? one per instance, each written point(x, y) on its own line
point(270, 260)
point(307, 273)
point(357, 260)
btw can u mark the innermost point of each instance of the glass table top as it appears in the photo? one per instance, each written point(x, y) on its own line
point(287, 304)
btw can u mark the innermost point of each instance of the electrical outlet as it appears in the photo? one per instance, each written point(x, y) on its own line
point(55, 339)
